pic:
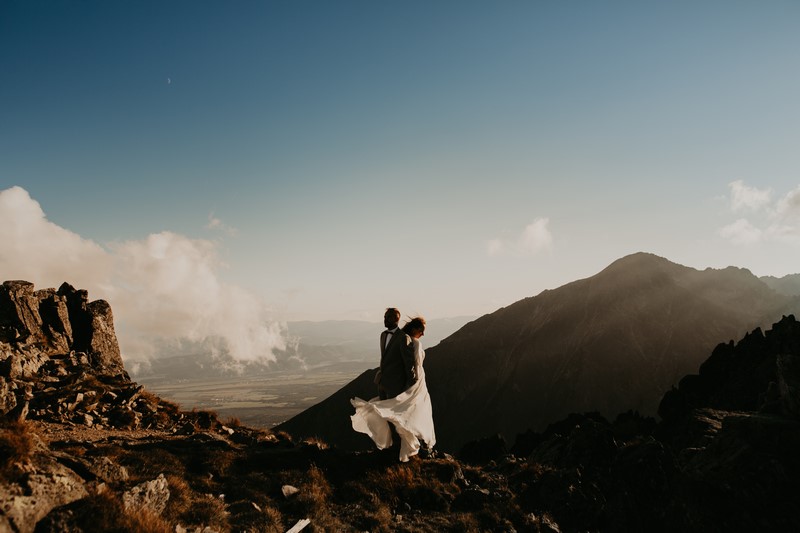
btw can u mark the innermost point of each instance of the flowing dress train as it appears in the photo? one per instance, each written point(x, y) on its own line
point(410, 412)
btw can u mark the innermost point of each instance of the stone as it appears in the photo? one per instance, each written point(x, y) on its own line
point(50, 485)
point(288, 491)
point(102, 338)
point(107, 470)
point(151, 495)
point(55, 319)
point(19, 313)
point(8, 400)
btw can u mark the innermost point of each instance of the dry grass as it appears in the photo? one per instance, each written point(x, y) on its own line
point(407, 482)
point(17, 444)
point(314, 502)
point(147, 463)
point(205, 419)
point(283, 436)
point(233, 422)
point(273, 520)
point(314, 442)
point(464, 522)
point(379, 520)
point(169, 406)
point(105, 512)
point(205, 510)
point(217, 463)
point(315, 490)
point(395, 478)
point(180, 496)
point(149, 397)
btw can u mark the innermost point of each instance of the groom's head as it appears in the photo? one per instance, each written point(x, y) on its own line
point(391, 318)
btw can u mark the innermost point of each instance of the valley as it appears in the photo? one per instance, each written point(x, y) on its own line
point(262, 401)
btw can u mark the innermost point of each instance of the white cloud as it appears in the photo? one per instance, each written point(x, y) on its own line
point(215, 223)
point(35, 248)
point(788, 207)
point(769, 221)
point(741, 232)
point(165, 286)
point(744, 198)
point(535, 238)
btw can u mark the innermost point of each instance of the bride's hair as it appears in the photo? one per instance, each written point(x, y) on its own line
point(414, 323)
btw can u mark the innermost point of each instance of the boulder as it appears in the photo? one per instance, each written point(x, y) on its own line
point(92, 328)
point(55, 319)
point(19, 313)
point(102, 339)
point(151, 495)
point(48, 486)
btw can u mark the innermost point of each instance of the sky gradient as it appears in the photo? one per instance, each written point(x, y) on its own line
point(329, 159)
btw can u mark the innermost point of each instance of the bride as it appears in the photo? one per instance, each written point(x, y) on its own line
point(409, 412)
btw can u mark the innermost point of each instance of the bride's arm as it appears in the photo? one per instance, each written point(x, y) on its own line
point(418, 355)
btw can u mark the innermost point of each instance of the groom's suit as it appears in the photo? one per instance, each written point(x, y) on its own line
point(397, 364)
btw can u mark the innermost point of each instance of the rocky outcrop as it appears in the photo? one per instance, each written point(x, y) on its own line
point(724, 457)
point(53, 342)
point(60, 365)
point(759, 373)
point(38, 325)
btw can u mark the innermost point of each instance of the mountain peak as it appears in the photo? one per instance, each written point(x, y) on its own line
point(640, 260)
point(607, 343)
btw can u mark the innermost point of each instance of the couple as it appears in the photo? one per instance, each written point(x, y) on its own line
point(404, 404)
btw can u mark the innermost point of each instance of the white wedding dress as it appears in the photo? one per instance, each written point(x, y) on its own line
point(410, 412)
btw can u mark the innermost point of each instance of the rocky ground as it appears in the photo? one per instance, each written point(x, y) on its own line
point(82, 448)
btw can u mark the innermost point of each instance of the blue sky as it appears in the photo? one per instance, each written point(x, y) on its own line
point(334, 158)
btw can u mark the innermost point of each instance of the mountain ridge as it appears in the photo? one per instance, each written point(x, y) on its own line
point(611, 342)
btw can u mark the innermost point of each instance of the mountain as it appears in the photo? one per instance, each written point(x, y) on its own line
point(789, 285)
point(612, 342)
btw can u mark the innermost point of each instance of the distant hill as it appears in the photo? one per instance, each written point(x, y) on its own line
point(615, 341)
point(789, 285)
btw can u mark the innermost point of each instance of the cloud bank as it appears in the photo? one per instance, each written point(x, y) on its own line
point(744, 198)
point(535, 238)
point(163, 287)
point(768, 220)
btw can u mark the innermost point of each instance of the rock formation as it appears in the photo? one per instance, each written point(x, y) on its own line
point(724, 457)
point(37, 325)
point(60, 362)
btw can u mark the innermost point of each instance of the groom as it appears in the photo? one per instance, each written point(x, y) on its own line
point(396, 373)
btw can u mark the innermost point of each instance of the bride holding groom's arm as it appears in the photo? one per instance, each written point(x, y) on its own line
point(403, 394)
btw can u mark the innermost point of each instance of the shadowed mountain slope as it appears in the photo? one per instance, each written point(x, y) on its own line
point(615, 341)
